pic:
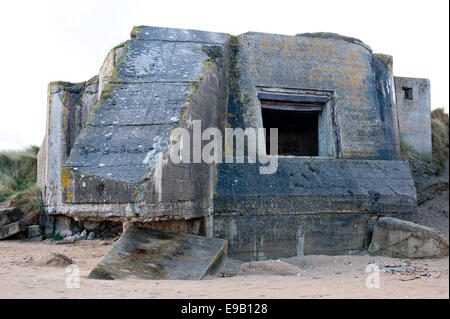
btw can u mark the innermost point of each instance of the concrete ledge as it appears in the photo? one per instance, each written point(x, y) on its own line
point(306, 185)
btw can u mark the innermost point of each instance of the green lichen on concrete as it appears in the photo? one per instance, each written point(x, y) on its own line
point(124, 46)
point(113, 78)
point(121, 45)
point(215, 54)
point(134, 32)
point(194, 86)
point(235, 101)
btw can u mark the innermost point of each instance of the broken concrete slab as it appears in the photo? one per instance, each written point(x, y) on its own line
point(11, 229)
point(398, 238)
point(10, 215)
point(159, 254)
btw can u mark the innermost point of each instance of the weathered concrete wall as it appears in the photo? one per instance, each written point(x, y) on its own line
point(307, 185)
point(118, 168)
point(267, 236)
point(414, 115)
point(324, 205)
point(314, 205)
point(68, 111)
point(384, 82)
point(323, 63)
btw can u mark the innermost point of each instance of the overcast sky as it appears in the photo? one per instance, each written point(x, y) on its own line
point(44, 41)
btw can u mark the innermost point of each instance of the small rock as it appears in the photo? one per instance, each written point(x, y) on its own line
point(83, 234)
point(57, 260)
point(91, 236)
point(72, 238)
point(66, 233)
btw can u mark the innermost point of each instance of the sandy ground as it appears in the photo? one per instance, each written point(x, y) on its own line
point(25, 274)
point(434, 213)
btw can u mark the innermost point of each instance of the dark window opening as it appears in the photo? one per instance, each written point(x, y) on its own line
point(407, 93)
point(297, 130)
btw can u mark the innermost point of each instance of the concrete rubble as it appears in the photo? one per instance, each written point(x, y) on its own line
point(398, 238)
point(11, 222)
point(158, 254)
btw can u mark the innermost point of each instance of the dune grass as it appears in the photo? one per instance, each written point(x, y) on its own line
point(30, 202)
point(439, 132)
point(17, 171)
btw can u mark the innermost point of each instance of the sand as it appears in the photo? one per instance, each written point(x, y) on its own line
point(26, 273)
point(434, 213)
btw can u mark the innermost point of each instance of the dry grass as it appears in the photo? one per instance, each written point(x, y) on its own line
point(439, 131)
point(18, 170)
point(30, 202)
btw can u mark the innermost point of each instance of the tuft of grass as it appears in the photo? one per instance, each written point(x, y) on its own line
point(7, 184)
point(18, 171)
point(30, 202)
point(440, 135)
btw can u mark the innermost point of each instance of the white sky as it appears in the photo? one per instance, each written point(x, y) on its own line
point(44, 41)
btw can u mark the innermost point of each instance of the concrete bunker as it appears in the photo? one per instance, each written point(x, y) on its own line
point(105, 155)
